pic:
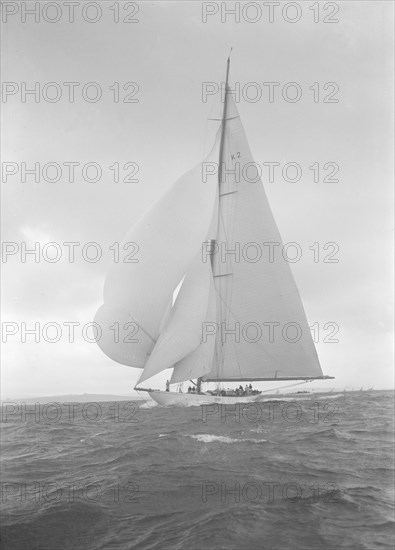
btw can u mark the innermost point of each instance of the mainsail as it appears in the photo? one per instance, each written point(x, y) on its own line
point(264, 333)
point(238, 314)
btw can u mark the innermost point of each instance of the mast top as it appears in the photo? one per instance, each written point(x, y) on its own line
point(227, 69)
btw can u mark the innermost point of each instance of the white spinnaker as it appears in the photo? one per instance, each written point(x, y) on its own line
point(182, 334)
point(168, 237)
point(254, 291)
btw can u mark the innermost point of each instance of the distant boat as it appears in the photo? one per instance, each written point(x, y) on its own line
point(181, 240)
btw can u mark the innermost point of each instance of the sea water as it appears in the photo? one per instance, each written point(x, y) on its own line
point(312, 472)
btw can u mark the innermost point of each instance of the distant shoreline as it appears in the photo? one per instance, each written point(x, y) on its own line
point(82, 398)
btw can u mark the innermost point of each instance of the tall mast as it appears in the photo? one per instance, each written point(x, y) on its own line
point(220, 171)
point(221, 153)
point(224, 113)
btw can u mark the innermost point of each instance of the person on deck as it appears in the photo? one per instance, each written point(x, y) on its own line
point(167, 385)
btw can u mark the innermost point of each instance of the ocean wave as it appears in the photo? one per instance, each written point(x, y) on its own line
point(196, 490)
point(210, 438)
point(327, 396)
point(148, 405)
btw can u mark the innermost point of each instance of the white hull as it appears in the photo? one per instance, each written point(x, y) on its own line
point(178, 399)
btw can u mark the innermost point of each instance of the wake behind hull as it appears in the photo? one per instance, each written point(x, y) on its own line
point(178, 399)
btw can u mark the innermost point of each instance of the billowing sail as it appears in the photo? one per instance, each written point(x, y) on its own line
point(182, 334)
point(167, 239)
point(238, 314)
point(199, 361)
point(261, 327)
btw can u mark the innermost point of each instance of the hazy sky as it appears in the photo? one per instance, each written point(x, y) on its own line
point(170, 52)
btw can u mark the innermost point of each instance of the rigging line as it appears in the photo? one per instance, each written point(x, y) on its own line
point(228, 227)
point(225, 285)
point(221, 206)
point(231, 222)
point(222, 285)
point(237, 359)
point(220, 218)
point(227, 211)
point(229, 233)
point(215, 360)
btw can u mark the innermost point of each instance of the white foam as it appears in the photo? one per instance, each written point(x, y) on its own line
point(148, 405)
point(210, 438)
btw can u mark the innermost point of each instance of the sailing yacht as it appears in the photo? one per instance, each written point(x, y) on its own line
point(202, 299)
